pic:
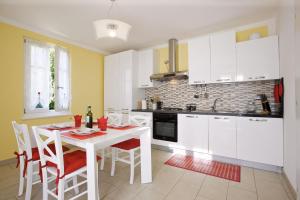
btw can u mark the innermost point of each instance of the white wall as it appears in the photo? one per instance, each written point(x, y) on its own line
point(287, 70)
point(298, 90)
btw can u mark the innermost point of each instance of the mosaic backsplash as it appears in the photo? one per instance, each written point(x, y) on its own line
point(234, 96)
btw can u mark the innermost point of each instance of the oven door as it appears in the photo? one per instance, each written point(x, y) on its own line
point(165, 126)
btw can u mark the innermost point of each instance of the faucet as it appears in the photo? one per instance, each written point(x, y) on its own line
point(214, 107)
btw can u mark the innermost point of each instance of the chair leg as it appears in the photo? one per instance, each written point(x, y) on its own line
point(29, 181)
point(61, 189)
point(113, 161)
point(21, 181)
point(102, 159)
point(75, 183)
point(98, 184)
point(131, 166)
point(45, 184)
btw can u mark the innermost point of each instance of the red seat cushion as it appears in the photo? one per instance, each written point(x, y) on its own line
point(73, 161)
point(36, 155)
point(128, 144)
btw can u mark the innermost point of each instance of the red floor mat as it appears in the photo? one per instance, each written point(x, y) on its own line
point(210, 167)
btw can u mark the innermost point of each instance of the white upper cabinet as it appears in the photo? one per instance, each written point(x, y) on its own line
point(120, 94)
point(145, 68)
point(193, 132)
point(125, 70)
point(222, 136)
point(258, 59)
point(223, 56)
point(199, 60)
point(112, 82)
point(260, 140)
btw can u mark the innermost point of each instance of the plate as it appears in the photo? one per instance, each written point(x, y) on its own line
point(84, 131)
point(118, 126)
point(58, 126)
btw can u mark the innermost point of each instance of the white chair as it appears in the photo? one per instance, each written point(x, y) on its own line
point(28, 159)
point(62, 168)
point(129, 146)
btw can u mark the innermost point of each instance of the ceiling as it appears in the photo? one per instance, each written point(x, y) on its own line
point(153, 21)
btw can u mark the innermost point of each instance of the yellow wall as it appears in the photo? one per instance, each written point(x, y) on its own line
point(87, 83)
point(162, 55)
point(245, 34)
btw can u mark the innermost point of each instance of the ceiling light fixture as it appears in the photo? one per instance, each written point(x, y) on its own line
point(111, 28)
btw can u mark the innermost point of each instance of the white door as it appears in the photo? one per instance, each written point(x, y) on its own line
point(222, 136)
point(223, 56)
point(111, 83)
point(199, 60)
point(258, 59)
point(145, 68)
point(125, 71)
point(260, 140)
point(193, 132)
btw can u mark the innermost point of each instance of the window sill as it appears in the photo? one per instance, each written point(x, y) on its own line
point(46, 115)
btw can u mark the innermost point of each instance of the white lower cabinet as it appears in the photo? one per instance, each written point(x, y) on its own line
point(260, 140)
point(222, 136)
point(193, 132)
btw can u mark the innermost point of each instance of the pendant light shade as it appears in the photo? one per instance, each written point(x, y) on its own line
point(111, 28)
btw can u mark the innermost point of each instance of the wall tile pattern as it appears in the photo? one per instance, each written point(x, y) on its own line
point(234, 96)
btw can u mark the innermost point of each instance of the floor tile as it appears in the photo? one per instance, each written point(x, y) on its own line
point(149, 194)
point(240, 194)
point(214, 188)
point(183, 190)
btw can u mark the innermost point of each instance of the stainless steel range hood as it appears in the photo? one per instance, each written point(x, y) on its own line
point(172, 73)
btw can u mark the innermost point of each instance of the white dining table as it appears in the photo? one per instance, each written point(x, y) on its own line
point(113, 136)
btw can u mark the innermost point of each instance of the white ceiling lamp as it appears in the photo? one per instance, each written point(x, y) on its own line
point(111, 28)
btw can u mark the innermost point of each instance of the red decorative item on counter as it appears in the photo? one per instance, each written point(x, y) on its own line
point(102, 123)
point(77, 119)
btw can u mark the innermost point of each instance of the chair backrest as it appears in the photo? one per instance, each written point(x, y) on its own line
point(23, 138)
point(45, 137)
point(115, 119)
point(140, 120)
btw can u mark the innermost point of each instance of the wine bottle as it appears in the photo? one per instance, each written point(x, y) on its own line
point(89, 118)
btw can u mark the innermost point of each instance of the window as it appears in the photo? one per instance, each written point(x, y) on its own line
point(47, 79)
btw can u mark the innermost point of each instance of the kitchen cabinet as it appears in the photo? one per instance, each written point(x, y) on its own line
point(112, 83)
point(199, 60)
point(120, 90)
point(223, 56)
point(145, 68)
point(222, 136)
point(193, 132)
point(260, 140)
point(258, 59)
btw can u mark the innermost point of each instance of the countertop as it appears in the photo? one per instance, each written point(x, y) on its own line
point(206, 112)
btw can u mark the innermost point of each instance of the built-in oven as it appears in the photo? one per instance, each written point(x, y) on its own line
point(165, 126)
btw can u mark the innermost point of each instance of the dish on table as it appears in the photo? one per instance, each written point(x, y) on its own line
point(84, 131)
point(118, 125)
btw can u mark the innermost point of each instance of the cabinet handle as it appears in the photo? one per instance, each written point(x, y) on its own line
point(258, 120)
point(260, 77)
point(224, 118)
point(145, 85)
point(191, 116)
point(250, 78)
point(223, 79)
point(125, 109)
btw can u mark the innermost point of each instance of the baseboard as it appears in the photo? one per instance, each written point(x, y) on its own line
point(8, 161)
point(288, 186)
point(224, 159)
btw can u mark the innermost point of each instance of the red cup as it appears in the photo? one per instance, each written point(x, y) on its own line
point(77, 119)
point(102, 123)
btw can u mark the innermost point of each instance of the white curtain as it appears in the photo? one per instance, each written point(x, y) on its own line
point(37, 77)
point(63, 79)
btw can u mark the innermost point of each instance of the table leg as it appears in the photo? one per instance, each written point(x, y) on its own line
point(146, 163)
point(91, 172)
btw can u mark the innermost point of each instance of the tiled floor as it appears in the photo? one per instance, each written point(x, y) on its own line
point(169, 183)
